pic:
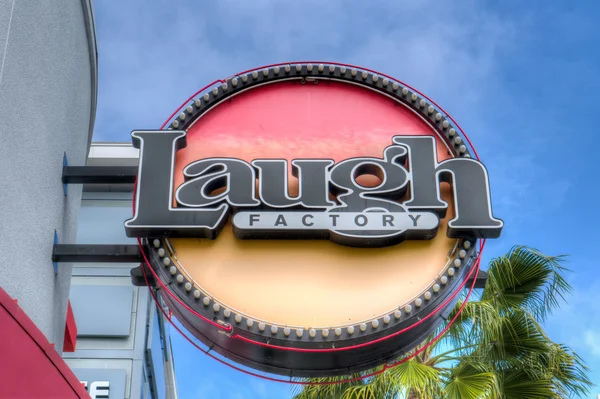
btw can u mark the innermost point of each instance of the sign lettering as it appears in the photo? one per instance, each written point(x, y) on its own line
point(360, 216)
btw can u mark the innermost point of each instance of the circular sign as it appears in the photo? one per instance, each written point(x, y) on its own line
point(310, 220)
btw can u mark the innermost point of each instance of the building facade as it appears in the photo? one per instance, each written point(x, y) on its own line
point(48, 84)
point(122, 340)
point(68, 330)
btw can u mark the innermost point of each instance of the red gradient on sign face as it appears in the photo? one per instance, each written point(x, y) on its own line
point(290, 120)
point(276, 280)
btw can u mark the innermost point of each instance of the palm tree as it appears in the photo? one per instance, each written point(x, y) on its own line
point(496, 348)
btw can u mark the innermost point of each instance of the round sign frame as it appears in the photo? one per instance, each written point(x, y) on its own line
point(300, 351)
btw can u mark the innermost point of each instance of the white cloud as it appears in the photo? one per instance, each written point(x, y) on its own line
point(592, 340)
point(577, 322)
point(152, 62)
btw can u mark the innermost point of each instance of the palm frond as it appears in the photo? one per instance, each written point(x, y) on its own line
point(469, 326)
point(468, 381)
point(325, 387)
point(367, 391)
point(518, 338)
point(514, 384)
point(415, 376)
point(526, 278)
point(566, 370)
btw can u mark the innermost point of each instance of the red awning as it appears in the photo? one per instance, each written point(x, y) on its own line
point(30, 368)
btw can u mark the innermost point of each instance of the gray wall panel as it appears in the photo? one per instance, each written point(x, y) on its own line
point(6, 13)
point(46, 98)
point(102, 222)
point(123, 343)
point(102, 310)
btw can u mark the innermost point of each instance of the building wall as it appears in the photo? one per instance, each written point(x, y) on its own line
point(47, 108)
point(122, 337)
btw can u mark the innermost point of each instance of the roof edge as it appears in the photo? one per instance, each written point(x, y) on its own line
point(88, 18)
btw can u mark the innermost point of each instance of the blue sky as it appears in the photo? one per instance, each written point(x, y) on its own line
point(520, 77)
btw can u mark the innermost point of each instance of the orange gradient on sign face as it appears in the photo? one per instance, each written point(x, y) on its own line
point(308, 283)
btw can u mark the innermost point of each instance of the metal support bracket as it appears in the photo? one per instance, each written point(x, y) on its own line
point(137, 277)
point(99, 174)
point(83, 253)
point(480, 282)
